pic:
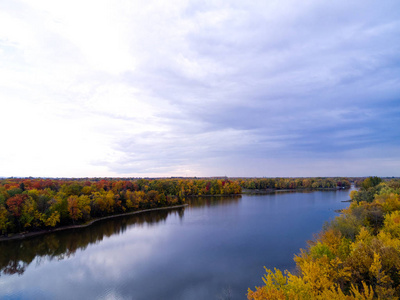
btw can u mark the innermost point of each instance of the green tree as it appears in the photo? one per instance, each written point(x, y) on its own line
point(4, 220)
point(370, 182)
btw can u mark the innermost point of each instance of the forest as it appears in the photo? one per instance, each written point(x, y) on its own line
point(37, 204)
point(356, 256)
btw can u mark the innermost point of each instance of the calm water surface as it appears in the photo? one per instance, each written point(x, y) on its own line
point(215, 248)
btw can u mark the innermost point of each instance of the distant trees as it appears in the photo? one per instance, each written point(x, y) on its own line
point(294, 183)
point(368, 188)
point(370, 182)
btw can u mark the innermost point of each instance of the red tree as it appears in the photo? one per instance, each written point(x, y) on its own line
point(15, 204)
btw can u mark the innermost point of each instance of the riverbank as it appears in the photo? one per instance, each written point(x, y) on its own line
point(21, 236)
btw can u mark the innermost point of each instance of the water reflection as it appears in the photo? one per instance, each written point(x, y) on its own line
point(17, 255)
point(214, 200)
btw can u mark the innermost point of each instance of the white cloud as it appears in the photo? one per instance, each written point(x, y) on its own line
point(100, 88)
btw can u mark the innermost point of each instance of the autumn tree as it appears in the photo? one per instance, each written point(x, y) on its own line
point(4, 220)
point(79, 207)
point(14, 204)
point(73, 208)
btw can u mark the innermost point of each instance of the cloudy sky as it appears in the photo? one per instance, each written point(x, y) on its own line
point(199, 88)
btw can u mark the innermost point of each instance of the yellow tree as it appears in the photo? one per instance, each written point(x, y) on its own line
point(73, 208)
point(30, 216)
point(84, 206)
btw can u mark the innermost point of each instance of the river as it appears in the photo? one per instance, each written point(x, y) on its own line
point(214, 248)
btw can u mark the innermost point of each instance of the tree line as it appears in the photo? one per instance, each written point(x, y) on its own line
point(294, 183)
point(36, 204)
point(356, 256)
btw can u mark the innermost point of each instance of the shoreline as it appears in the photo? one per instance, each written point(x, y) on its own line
point(21, 236)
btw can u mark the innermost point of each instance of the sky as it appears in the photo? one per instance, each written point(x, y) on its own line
point(199, 88)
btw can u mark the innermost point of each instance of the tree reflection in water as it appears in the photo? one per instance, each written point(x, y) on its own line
point(204, 201)
point(17, 255)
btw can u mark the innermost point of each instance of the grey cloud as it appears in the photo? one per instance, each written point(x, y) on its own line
point(317, 78)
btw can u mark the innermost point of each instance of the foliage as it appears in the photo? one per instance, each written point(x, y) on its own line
point(369, 187)
point(294, 183)
point(36, 204)
point(356, 256)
